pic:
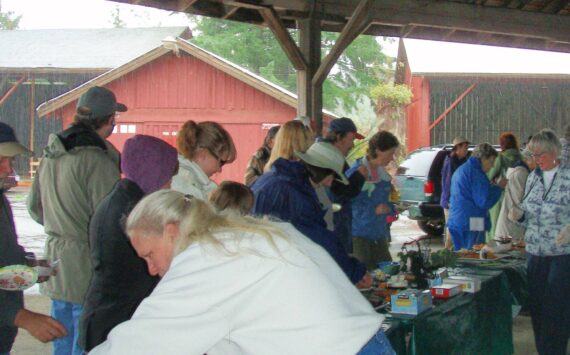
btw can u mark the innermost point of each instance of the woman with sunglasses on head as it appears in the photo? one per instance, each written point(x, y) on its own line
point(203, 148)
point(545, 212)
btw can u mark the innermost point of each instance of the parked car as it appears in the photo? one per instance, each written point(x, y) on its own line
point(419, 180)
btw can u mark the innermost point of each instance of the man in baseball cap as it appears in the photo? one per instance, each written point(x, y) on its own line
point(13, 315)
point(341, 133)
point(101, 101)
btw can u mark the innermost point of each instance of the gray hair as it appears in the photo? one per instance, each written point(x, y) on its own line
point(526, 154)
point(484, 151)
point(196, 221)
point(545, 141)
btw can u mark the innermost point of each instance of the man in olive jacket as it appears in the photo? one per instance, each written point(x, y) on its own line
point(77, 171)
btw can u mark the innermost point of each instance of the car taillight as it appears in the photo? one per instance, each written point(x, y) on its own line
point(428, 188)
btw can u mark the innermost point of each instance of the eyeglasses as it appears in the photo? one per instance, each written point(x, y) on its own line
point(537, 155)
point(221, 162)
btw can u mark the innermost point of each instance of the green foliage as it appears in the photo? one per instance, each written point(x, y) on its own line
point(8, 21)
point(393, 95)
point(116, 19)
point(358, 69)
point(443, 258)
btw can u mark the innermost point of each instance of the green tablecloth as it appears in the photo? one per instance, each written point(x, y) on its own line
point(479, 323)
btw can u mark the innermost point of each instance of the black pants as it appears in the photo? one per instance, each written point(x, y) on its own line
point(549, 302)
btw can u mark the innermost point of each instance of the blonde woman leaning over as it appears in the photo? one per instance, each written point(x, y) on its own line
point(237, 285)
point(203, 148)
point(292, 136)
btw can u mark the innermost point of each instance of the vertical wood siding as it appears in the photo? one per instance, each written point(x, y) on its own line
point(520, 106)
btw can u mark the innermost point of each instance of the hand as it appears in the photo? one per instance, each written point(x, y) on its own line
point(502, 182)
point(42, 327)
point(563, 237)
point(363, 170)
point(383, 209)
point(365, 282)
point(515, 214)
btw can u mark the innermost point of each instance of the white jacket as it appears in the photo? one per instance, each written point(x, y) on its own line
point(514, 192)
point(297, 301)
point(192, 180)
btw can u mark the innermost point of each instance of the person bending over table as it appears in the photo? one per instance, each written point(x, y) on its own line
point(472, 195)
point(238, 285)
point(545, 212)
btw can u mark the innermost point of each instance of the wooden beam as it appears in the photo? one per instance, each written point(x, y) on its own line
point(310, 46)
point(452, 106)
point(466, 17)
point(284, 38)
point(12, 89)
point(556, 6)
point(358, 22)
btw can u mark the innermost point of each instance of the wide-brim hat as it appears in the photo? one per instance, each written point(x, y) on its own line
point(101, 101)
point(9, 145)
point(327, 156)
point(459, 140)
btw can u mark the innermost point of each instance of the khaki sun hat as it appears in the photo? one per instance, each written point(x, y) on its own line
point(325, 155)
point(9, 146)
point(460, 140)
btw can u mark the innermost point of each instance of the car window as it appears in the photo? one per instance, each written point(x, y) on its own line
point(417, 163)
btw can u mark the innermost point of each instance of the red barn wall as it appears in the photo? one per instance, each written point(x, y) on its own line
point(167, 92)
point(417, 114)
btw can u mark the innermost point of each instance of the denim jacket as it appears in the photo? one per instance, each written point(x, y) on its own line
point(547, 211)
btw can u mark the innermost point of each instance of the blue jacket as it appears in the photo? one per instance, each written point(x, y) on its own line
point(365, 222)
point(450, 164)
point(472, 195)
point(286, 192)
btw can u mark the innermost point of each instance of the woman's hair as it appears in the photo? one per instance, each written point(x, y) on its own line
point(84, 117)
point(545, 141)
point(292, 136)
point(381, 141)
point(484, 151)
point(508, 140)
point(232, 195)
point(196, 220)
point(208, 135)
point(271, 133)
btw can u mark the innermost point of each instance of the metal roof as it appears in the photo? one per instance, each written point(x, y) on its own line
point(80, 48)
point(431, 57)
point(535, 24)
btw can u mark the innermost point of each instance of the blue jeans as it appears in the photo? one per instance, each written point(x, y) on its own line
point(377, 345)
point(549, 302)
point(465, 239)
point(68, 314)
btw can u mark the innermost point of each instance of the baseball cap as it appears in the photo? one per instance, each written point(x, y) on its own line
point(460, 140)
point(325, 155)
point(9, 145)
point(101, 101)
point(342, 125)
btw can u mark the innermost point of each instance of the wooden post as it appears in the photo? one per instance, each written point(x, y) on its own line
point(309, 98)
point(32, 111)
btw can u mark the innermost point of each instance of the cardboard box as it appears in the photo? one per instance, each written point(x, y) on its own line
point(412, 302)
point(468, 284)
point(445, 290)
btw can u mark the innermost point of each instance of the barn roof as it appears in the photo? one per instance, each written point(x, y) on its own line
point(434, 58)
point(80, 48)
point(176, 45)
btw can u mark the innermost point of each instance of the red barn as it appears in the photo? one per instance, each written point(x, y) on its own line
point(481, 91)
point(179, 81)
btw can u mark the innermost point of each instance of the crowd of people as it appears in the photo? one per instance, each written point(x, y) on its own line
point(519, 195)
point(158, 258)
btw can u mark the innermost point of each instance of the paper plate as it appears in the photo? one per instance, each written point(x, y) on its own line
point(17, 277)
